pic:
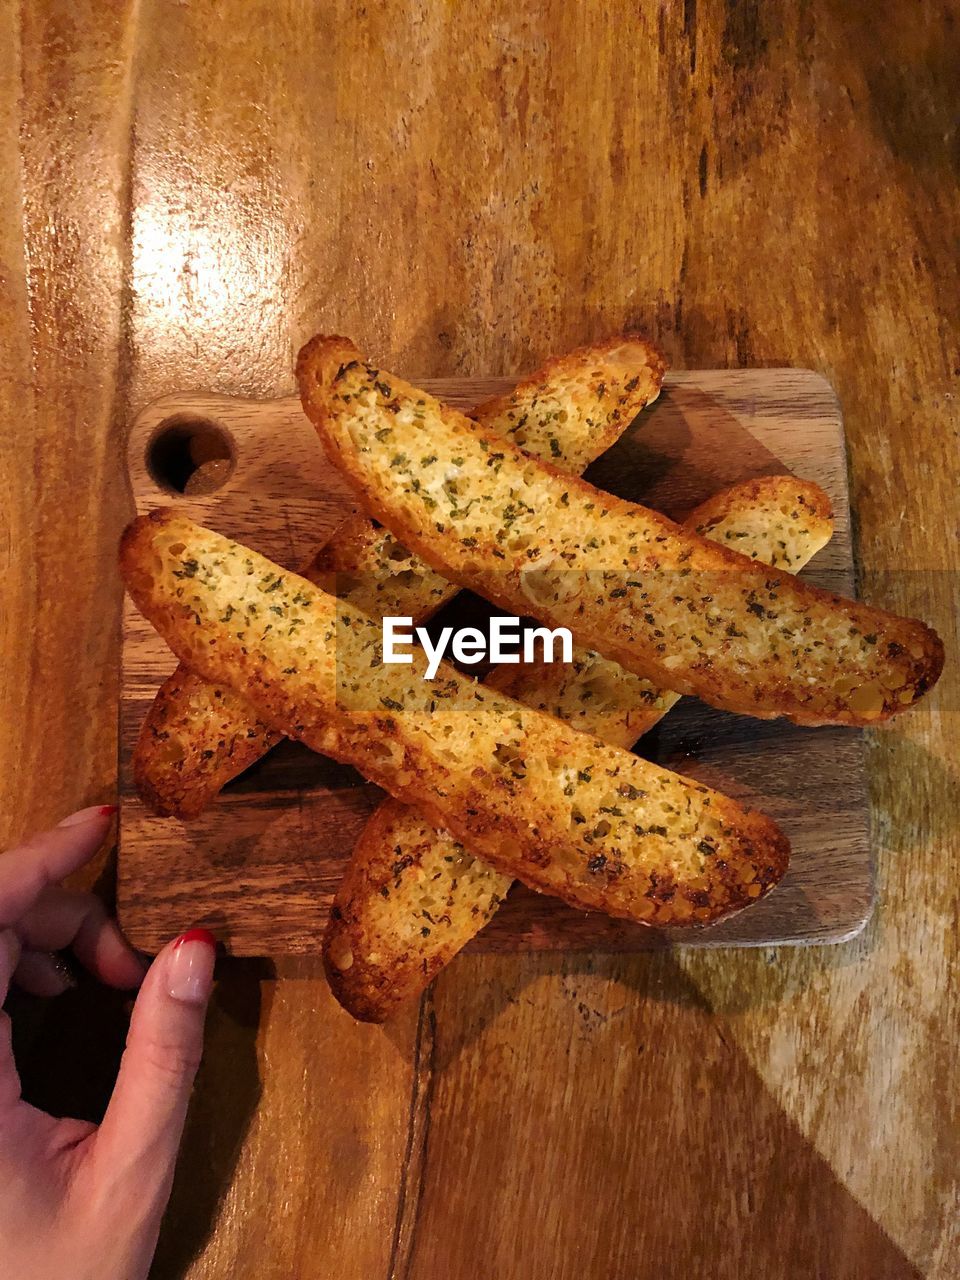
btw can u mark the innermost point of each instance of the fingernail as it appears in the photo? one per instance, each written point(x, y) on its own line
point(88, 814)
point(190, 968)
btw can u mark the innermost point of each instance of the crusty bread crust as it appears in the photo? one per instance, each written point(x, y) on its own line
point(197, 737)
point(193, 740)
point(412, 897)
point(777, 520)
point(666, 603)
point(561, 810)
point(577, 405)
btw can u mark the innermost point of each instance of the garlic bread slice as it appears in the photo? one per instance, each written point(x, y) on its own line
point(412, 896)
point(664, 602)
point(556, 808)
point(197, 737)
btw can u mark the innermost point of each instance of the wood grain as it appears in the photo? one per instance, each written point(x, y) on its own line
point(193, 189)
point(262, 865)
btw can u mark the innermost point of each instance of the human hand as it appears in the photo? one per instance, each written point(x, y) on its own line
point(80, 1201)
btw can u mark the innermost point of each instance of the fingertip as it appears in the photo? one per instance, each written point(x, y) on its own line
point(48, 857)
point(101, 813)
point(189, 963)
point(110, 957)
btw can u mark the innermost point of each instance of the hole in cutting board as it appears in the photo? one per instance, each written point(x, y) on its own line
point(188, 454)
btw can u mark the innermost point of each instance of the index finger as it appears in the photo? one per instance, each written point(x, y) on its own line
point(45, 859)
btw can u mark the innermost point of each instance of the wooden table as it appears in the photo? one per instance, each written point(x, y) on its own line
point(189, 191)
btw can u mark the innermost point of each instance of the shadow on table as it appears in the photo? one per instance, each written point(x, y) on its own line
point(518, 1030)
point(485, 1007)
point(707, 1136)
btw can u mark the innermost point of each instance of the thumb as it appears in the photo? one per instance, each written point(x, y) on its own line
point(144, 1121)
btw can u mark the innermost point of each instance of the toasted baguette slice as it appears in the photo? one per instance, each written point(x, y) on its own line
point(558, 809)
point(775, 520)
point(412, 896)
point(193, 740)
point(196, 737)
point(662, 601)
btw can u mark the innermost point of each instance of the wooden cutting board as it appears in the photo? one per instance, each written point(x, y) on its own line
point(260, 867)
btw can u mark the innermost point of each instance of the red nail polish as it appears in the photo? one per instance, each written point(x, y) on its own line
point(108, 810)
point(197, 935)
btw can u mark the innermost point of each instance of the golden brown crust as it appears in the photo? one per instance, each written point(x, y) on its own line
point(630, 370)
point(668, 604)
point(412, 897)
point(563, 811)
point(773, 537)
point(195, 738)
point(381, 948)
